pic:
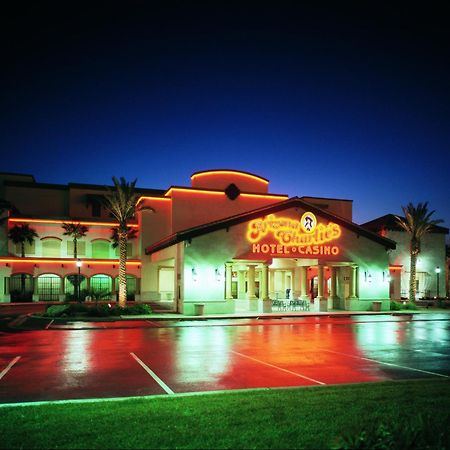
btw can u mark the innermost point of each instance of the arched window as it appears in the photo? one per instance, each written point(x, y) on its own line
point(129, 250)
point(51, 247)
point(101, 287)
point(100, 248)
point(70, 285)
point(48, 287)
point(21, 287)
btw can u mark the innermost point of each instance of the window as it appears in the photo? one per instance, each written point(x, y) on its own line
point(30, 249)
point(100, 248)
point(51, 247)
point(81, 248)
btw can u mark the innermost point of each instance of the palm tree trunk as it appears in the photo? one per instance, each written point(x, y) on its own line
point(412, 277)
point(122, 269)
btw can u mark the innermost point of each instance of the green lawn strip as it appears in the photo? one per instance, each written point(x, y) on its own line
point(277, 418)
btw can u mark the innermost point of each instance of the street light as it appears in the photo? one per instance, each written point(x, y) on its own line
point(78, 279)
point(438, 271)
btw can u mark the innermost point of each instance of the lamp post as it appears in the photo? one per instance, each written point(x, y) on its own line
point(78, 279)
point(438, 271)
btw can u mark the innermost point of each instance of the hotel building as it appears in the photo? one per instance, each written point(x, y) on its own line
point(224, 242)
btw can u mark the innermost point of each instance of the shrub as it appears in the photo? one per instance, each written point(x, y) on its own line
point(138, 308)
point(407, 433)
point(395, 306)
point(57, 310)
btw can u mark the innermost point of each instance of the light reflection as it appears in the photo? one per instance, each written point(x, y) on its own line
point(203, 354)
point(77, 355)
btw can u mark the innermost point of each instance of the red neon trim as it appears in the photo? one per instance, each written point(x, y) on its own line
point(264, 195)
point(82, 222)
point(153, 198)
point(229, 172)
point(194, 191)
point(396, 267)
point(66, 261)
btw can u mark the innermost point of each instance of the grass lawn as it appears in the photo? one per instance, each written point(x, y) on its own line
point(316, 417)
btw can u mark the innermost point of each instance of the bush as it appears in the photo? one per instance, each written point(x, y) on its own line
point(57, 310)
point(397, 306)
point(138, 308)
point(407, 433)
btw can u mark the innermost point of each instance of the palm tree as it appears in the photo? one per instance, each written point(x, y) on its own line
point(75, 231)
point(417, 222)
point(20, 234)
point(6, 207)
point(121, 202)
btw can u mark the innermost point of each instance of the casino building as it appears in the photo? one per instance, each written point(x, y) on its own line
point(224, 242)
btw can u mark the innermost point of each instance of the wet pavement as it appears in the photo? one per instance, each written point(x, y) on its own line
point(152, 357)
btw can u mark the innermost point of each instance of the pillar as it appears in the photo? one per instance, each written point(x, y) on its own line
point(304, 283)
point(320, 302)
point(353, 281)
point(251, 282)
point(228, 277)
point(296, 283)
point(334, 299)
point(61, 295)
point(241, 284)
point(272, 282)
point(35, 289)
point(113, 289)
point(283, 283)
point(264, 293)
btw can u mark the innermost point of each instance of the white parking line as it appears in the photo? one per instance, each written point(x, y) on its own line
point(279, 368)
point(156, 324)
point(153, 375)
point(6, 369)
point(48, 325)
point(389, 364)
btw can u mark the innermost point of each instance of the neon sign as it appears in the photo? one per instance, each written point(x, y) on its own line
point(293, 237)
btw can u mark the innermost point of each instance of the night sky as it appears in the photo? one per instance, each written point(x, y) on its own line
point(345, 100)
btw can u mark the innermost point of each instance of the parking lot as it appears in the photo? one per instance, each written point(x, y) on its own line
point(173, 357)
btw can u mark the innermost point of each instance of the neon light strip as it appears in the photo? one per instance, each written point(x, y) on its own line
point(229, 172)
point(395, 267)
point(196, 191)
point(153, 198)
point(51, 221)
point(274, 196)
point(66, 261)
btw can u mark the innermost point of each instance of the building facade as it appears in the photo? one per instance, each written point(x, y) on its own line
point(224, 242)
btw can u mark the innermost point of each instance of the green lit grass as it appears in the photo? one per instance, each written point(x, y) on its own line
point(278, 418)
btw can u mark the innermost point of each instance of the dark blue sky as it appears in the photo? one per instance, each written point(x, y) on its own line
point(347, 100)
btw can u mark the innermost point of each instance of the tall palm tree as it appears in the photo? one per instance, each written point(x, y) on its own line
point(20, 234)
point(121, 202)
point(417, 222)
point(75, 231)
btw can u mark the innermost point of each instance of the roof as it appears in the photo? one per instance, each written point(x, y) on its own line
point(389, 222)
point(256, 213)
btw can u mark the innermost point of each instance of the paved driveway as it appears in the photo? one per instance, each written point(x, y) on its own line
point(148, 358)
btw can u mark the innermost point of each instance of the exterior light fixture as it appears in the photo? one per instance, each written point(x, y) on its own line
point(194, 274)
point(218, 274)
point(367, 277)
point(386, 277)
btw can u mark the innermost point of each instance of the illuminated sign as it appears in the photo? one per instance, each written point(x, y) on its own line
point(304, 237)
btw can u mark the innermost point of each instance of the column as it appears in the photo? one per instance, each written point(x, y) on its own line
point(113, 289)
point(334, 299)
point(353, 280)
point(283, 283)
point(296, 285)
point(228, 277)
point(272, 282)
point(61, 295)
point(320, 282)
point(241, 284)
point(320, 302)
point(264, 282)
point(304, 283)
point(137, 292)
point(35, 289)
point(251, 282)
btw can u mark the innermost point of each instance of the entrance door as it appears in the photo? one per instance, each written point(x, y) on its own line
point(313, 288)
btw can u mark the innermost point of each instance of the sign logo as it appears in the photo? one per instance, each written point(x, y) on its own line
point(279, 236)
point(308, 222)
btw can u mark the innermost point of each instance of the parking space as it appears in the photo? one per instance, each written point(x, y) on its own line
point(175, 357)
